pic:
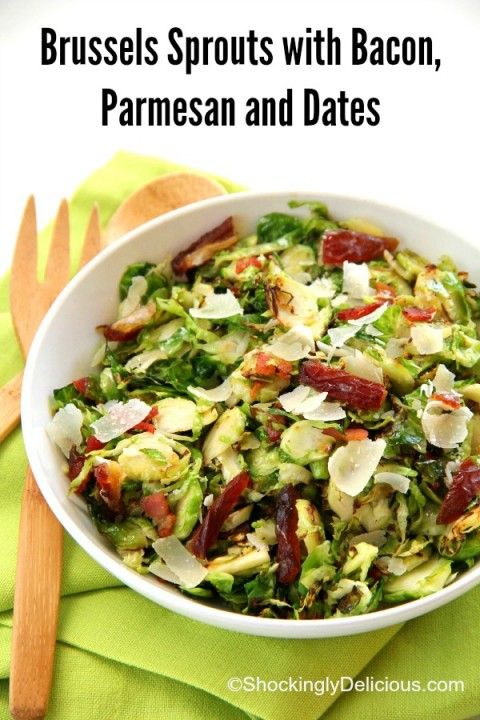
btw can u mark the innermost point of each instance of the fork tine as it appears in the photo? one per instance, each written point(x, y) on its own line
point(57, 272)
point(24, 266)
point(91, 244)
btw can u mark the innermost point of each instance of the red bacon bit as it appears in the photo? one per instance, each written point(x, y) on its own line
point(449, 399)
point(267, 366)
point(93, 444)
point(109, 477)
point(256, 389)
point(348, 435)
point(82, 385)
point(243, 263)
point(465, 486)
point(356, 434)
point(129, 327)
point(144, 427)
point(384, 291)
point(217, 513)
point(343, 386)
point(355, 313)
point(274, 432)
point(357, 247)
point(288, 548)
point(415, 314)
point(156, 507)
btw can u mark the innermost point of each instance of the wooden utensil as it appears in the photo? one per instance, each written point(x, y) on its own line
point(156, 198)
point(160, 196)
point(39, 562)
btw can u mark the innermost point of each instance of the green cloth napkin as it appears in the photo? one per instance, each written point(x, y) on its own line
point(120, 656)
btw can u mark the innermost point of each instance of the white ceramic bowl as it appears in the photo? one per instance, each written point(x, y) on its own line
point(65, 342)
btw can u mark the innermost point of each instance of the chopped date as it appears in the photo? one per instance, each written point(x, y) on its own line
point(357, 247)
point(109, 477)
point(355, 313)
point(465, 486)
point(207, 533)
point(288, 548)
point(341, 385)
point(415, 314)
point(76, 462)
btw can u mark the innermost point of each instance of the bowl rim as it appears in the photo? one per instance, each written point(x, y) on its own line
point(177, 602)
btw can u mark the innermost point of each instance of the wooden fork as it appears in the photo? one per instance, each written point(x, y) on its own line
point(40, 544)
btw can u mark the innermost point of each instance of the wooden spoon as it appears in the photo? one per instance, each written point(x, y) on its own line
point(159, 196)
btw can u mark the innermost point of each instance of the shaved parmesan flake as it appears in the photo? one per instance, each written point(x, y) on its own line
point(394, 347)
point(371, 317)
point(142, 361)
point(352, 465)
point(445, 428)
point(179, 561)
point(339, 300)
point(208, 500)
point(443, 380)
point(120, 417)
point(291, 400)
point(360, 365)
point(323, 288)
point(65, 428)
point(295, 344)
point(375, 537)
point(356, 280)
point(219, 394)
point(327, 411)
point(333, 351)
point(427, 339)
point(158, 568)
point(217, 306)
point(136, 291)
point(372, 330)
point(340, 335)
point(392, 565)
point(398, 482)
point(426, 389)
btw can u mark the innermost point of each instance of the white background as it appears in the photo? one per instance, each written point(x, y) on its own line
point(424, 156)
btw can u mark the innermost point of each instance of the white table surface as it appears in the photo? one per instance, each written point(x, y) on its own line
point(424, 156)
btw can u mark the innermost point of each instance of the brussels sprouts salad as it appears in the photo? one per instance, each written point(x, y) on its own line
point(285, 423)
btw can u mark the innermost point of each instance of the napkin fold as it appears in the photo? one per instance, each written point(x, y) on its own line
point(120, 656)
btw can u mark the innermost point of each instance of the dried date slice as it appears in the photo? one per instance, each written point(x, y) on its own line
point(288, 548)
point(465, 486)
point(109, 476)
point(340, 385)
point(202, 250)
point(207, 533)
point(357, 247)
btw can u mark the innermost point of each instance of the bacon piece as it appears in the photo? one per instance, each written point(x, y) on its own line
point(128, 328)
point(243, 263)
point(144, 427)
point(384, 291)
point(348, 435)
point(209, 529)
point(465, 486)
point(357, 247)
point(156, 507)
point(355, 313)
point(415, 314)
point(93, 444)
point(109, 476)
point(202, 250)
point(288, 548)
point(450, 399)
point(81, 385)
point(76, 461)
point(265, 365)
point(355, 391)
